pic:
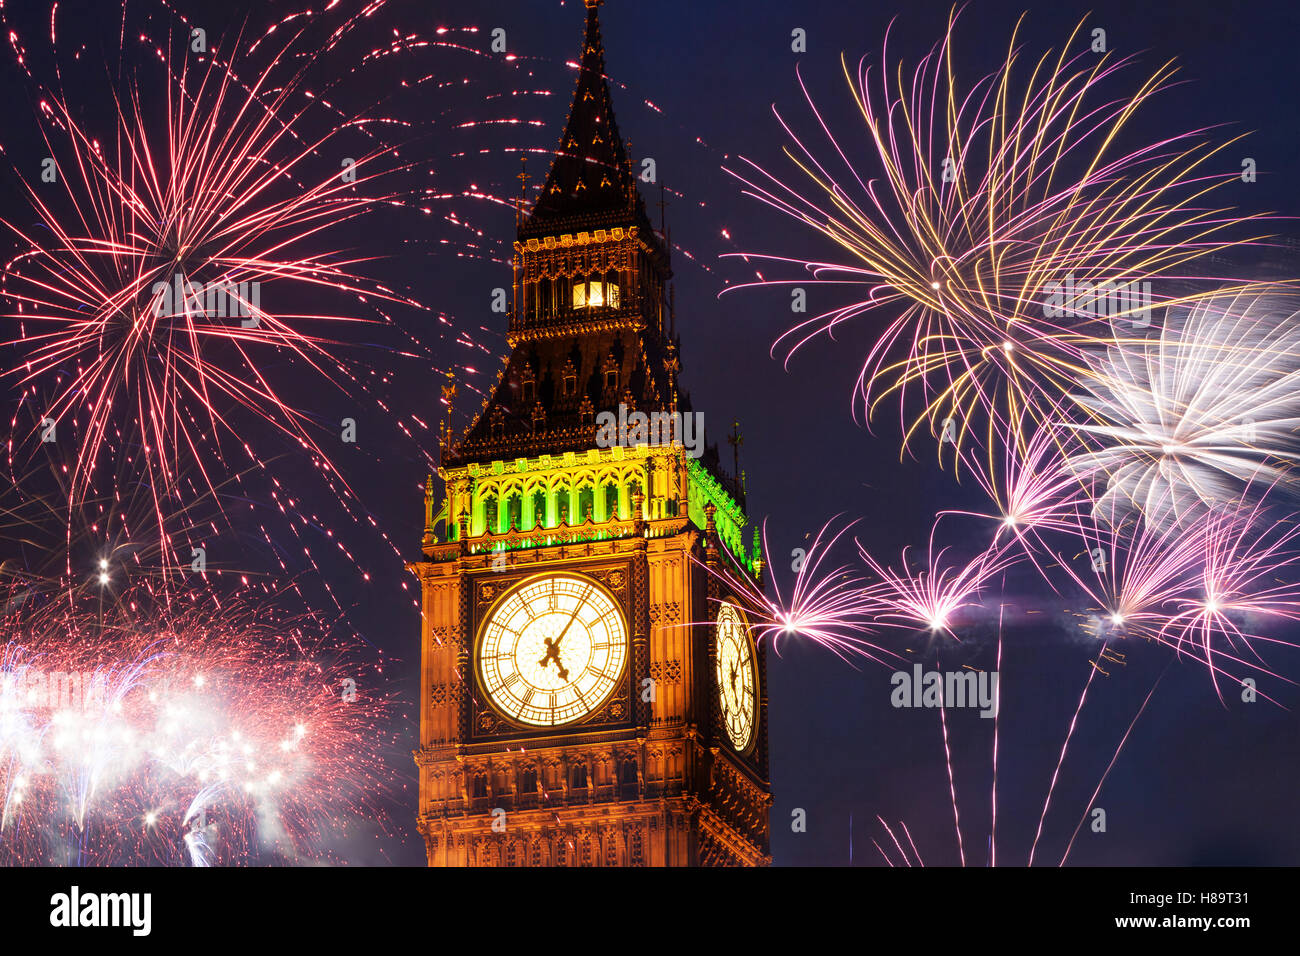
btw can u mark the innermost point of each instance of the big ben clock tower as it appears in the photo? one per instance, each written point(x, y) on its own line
point(591, 694)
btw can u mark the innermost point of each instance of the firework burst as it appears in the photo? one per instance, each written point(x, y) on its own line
point(178, 268)
point(1130, 571)
point(826, 602)
point(203, 734)
point(985, 199)
point(1245, 581)
point(1181, 423)
point(933, 598)
point(1033, 490)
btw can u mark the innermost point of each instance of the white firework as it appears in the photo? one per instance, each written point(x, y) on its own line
point(1189, 419)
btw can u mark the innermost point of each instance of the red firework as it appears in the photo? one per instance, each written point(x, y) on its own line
point(175, 263)
point(205, 732)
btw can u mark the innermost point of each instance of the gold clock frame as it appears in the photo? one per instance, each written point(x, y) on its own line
point(518, 585)
point(756, 696)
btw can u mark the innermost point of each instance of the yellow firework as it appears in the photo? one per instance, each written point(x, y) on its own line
point(1002, 229)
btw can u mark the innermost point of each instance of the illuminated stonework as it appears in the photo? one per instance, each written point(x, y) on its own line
point(581, 704)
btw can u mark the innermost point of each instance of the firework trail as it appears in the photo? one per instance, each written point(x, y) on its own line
point(1178, 424)
point(1060, 760)
point(207, 734)
point(903, 851)
point(935, 597)
point(907, 858)
point(1246, 580)
point(826, 603)
point(140, 319)
point(984, 200)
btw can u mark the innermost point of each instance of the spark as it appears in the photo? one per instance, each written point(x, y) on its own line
point(979, 200)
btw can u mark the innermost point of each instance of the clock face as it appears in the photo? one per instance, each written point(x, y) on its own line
point(552, 650)
point(736, 678)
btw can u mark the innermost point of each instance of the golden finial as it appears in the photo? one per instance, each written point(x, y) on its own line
point(735, 439)
point(430, 538)
point(523, 188)
point(448, 393)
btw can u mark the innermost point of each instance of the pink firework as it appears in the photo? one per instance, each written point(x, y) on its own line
point(826, 602)
point(176, 265)
point(1131, 571)
point(980, 202)
point(207, 734)
point(1031, 485)
point(934, 598)
point(1246, 580)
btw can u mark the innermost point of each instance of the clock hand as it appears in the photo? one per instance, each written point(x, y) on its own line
point(553, 652)
point(553, 646)
point(573, 617)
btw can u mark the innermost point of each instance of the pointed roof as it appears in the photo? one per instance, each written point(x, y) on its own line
point(590, 175)
point(552, 386)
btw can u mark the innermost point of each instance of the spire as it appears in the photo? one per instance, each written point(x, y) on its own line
point(591, 173)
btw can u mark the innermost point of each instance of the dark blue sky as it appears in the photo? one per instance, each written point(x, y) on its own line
point(1198, 782)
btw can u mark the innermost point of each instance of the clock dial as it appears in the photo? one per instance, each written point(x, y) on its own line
point(552, 650)
point(736, 678)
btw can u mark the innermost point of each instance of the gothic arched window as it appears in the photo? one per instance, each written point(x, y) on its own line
point(611, 501)
point(514, 513)
point(610, 372)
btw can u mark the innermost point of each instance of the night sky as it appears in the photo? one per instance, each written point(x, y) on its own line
point(1199, 782)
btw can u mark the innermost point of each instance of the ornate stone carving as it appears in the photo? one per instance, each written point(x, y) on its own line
point(666, 672)
point(662, 615)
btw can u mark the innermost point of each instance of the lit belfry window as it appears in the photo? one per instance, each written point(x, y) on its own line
point(595, 294)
